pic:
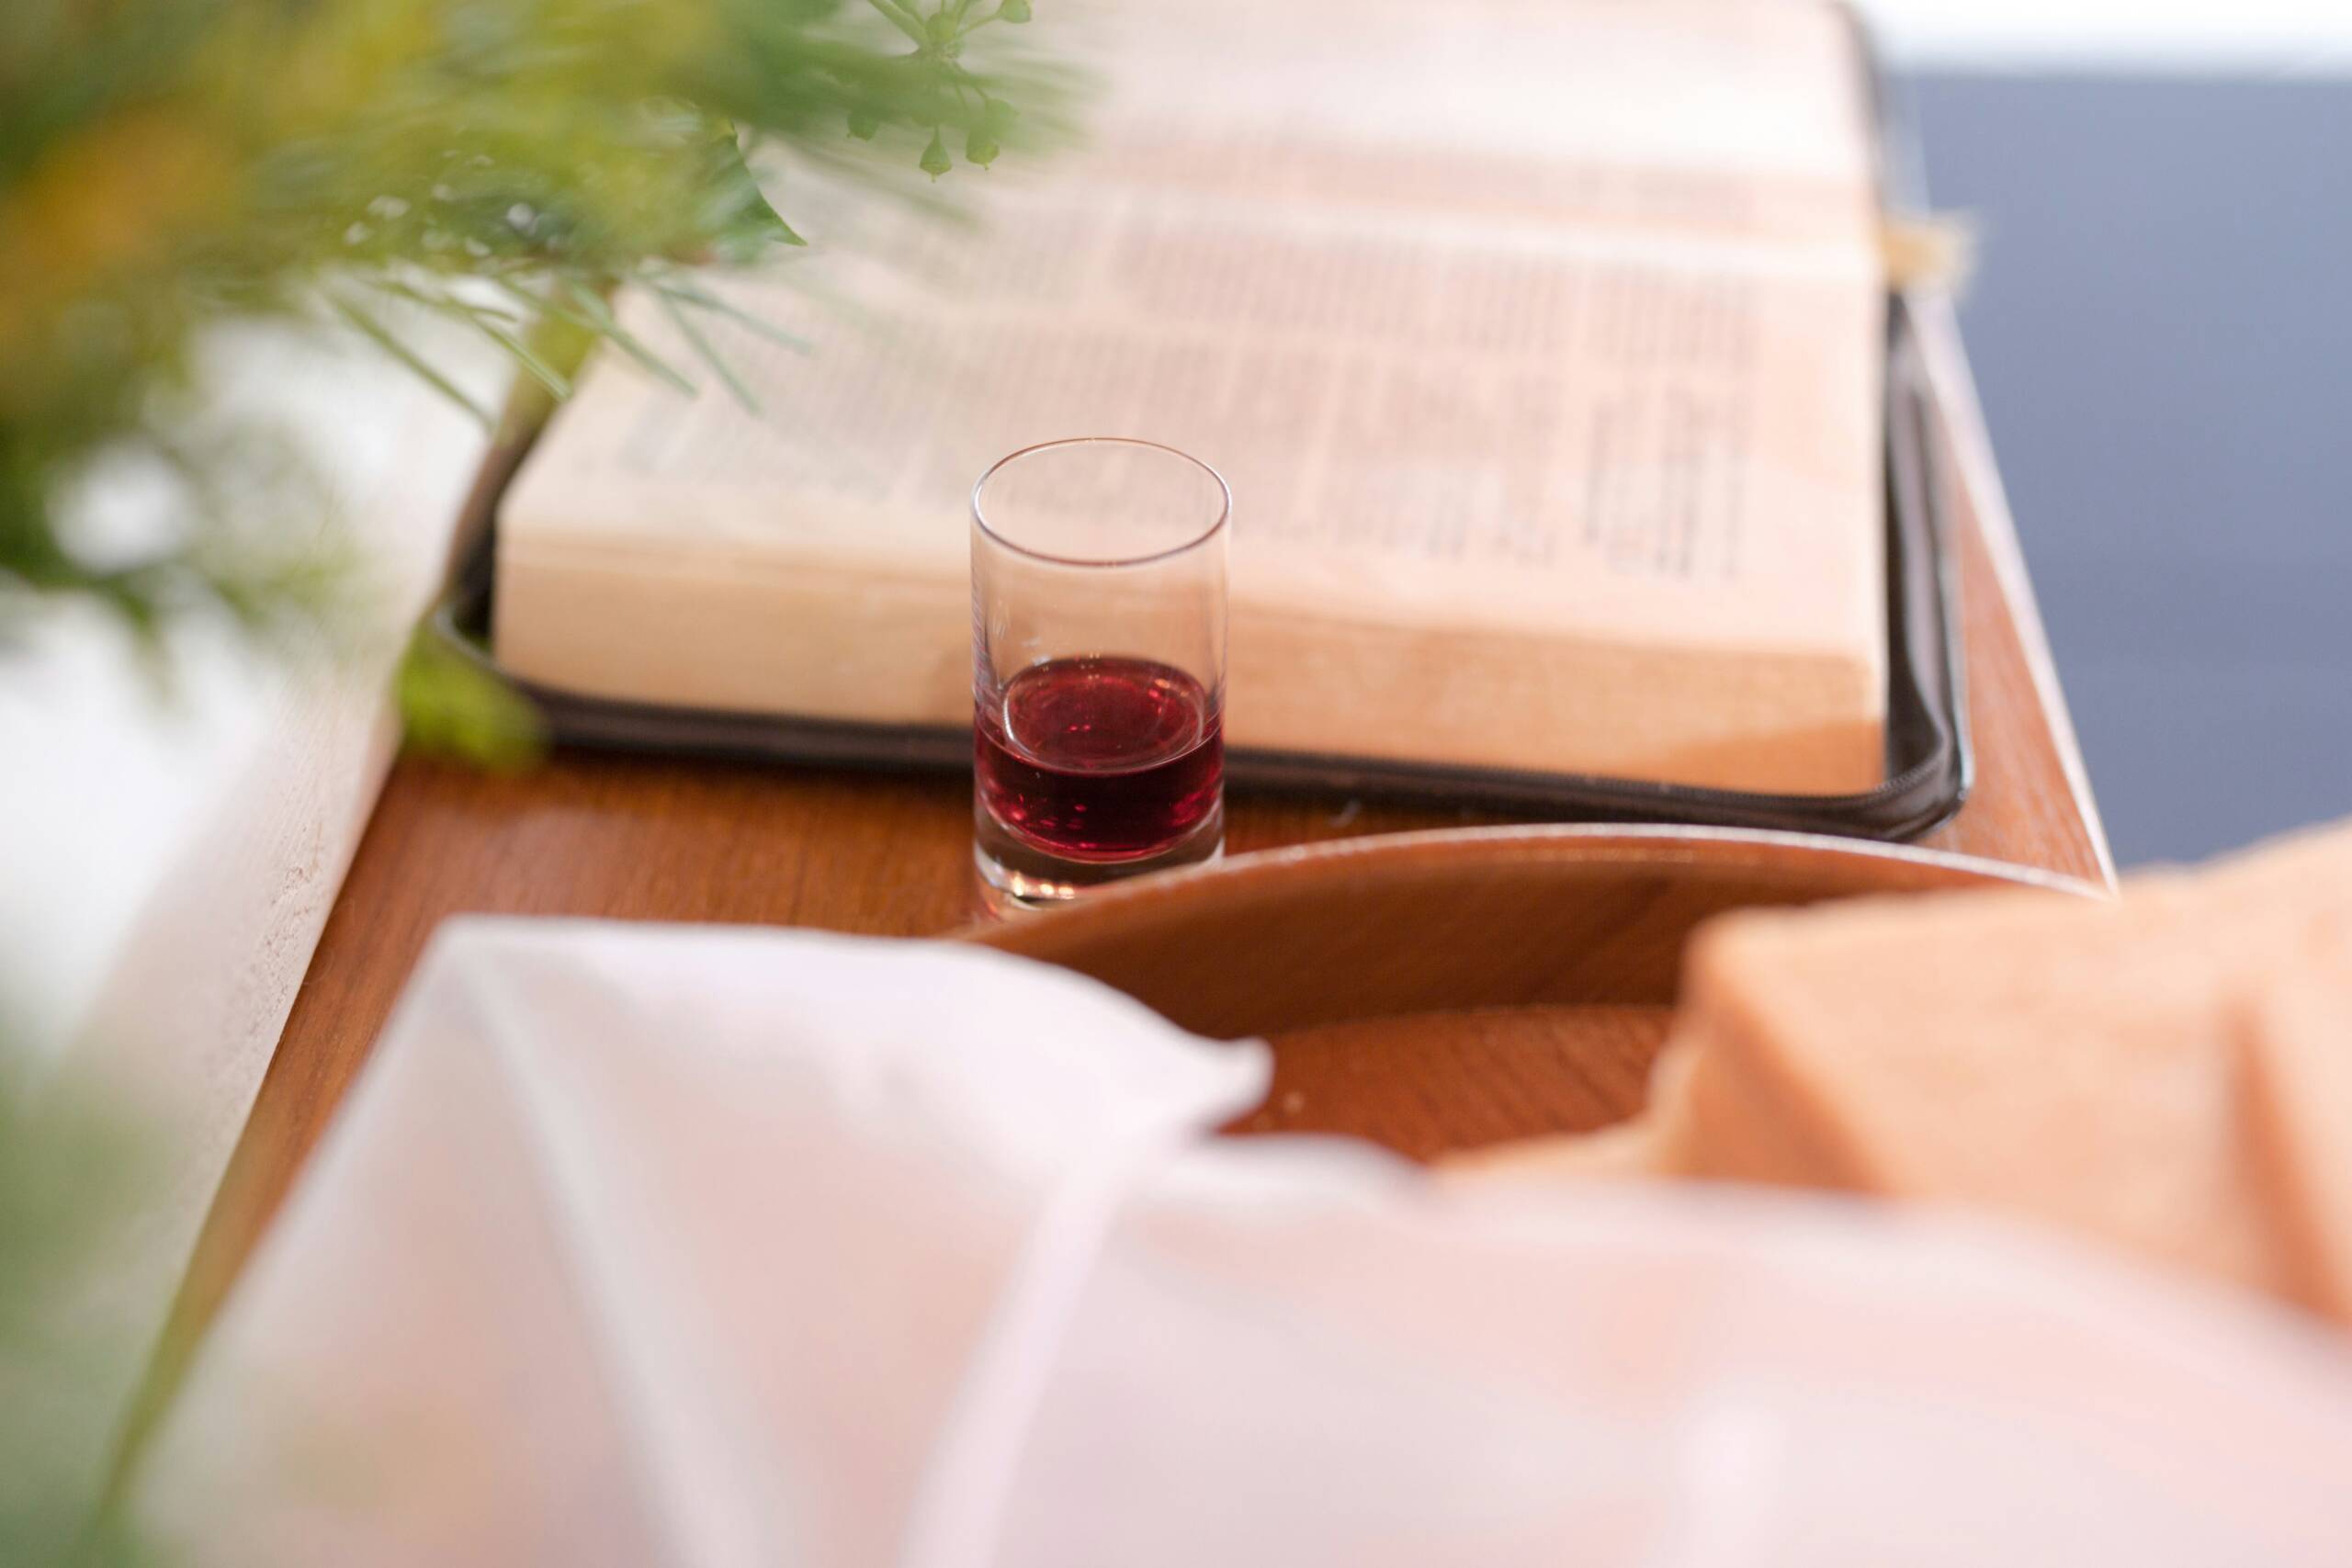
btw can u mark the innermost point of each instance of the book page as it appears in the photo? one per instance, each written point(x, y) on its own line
point(1568, 323)
point(1744, 117)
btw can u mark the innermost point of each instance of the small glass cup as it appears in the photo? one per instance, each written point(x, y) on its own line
point(1097, 667)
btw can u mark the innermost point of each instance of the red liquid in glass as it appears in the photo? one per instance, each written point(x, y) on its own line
point(1100, 758)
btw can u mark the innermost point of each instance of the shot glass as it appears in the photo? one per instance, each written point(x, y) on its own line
point(1097, 667)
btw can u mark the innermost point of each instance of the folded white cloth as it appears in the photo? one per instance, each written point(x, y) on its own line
point(717, 1247)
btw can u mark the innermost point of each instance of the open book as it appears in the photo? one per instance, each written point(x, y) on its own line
point(1541, 340)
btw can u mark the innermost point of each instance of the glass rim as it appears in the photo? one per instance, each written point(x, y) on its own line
point(1216, 524)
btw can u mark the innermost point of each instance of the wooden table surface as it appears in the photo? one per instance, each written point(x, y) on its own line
point(647, 839)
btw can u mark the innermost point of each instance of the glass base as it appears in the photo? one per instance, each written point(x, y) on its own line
point(1017, 877)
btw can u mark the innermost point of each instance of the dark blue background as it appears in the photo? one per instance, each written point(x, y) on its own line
point(2161, 326)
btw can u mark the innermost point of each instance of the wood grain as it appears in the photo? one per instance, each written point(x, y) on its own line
point(1445, 921)
point(1438, 992)
point(650, 839)
point(1431, 1084)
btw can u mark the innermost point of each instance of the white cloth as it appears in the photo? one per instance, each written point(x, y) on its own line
point(652, 1246)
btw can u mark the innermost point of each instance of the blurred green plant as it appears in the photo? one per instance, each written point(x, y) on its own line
point(168, 165)
point(452, 708)
point(70, 1177)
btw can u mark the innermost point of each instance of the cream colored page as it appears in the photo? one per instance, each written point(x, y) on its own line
point(1643, 414)
point(1741, 117)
